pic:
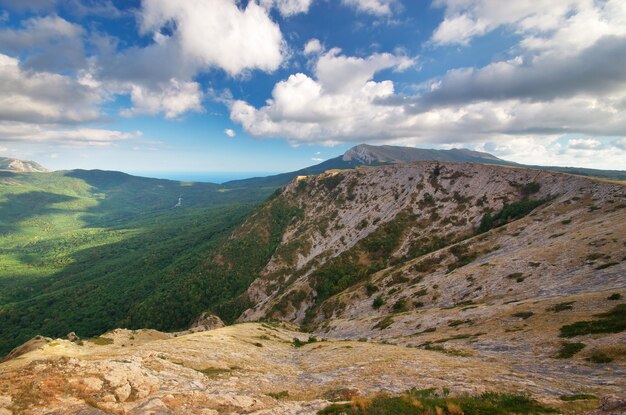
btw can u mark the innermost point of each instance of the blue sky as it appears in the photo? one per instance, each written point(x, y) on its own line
point(276, 85)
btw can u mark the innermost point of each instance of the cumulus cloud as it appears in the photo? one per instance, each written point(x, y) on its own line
point(313, 46)
point(190, 37)
point(584, 144)
point(23, 132)
point(171, 99)
point(288, 7)
point(339, 103)
point(216, 33)
point(375, 7)
point(229, 132)
point(43, 97)
point(50, 43)
point(539, 77)
point(545, 24)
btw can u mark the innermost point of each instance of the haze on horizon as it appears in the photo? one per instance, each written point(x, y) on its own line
point(277, 85)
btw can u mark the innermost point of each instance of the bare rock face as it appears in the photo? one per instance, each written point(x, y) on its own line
point(381, 218)
point(205, 322)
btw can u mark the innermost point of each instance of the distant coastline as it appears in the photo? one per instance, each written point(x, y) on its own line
point(205, 177)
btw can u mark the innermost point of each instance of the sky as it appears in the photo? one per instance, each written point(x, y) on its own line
point(261, 86)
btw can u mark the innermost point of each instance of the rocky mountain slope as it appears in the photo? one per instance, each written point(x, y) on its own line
point(16, 165)
point(468, 277)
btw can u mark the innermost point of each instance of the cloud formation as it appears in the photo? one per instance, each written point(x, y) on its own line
point(339, 103)
point(44, 97)
point(215, 33)
point(375, 7)
point(567, 76)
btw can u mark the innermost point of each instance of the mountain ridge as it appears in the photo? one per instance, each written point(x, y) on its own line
point(16, 165)
point(370, 155)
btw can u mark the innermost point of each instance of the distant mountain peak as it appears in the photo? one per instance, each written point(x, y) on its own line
point(370, 154)
point(21, 166)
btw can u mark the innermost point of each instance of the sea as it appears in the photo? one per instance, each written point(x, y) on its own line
point(207, 177)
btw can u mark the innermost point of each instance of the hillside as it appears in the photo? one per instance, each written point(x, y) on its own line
point(83, 250)
point(459, 277)
point(466, 259)
point(15, 165)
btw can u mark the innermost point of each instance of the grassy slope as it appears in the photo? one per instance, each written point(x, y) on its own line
point(86, 251)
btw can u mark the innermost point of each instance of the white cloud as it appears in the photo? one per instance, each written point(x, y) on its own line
point(22, 132)
point(43, 97)
point(547, 151)
point(317, 159)
point(50, 43)
point(172, 99)
point(216, 33)
point(340, 104)
point(312, 47)
point(567, 25)
point(584, 144)
point(230, 132)
point(375, 7)
point(4, 149)
point(288, 7)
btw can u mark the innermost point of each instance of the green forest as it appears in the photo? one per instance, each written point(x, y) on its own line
point(87, 251)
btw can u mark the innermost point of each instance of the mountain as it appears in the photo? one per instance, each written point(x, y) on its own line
point(365, 154)
point(431, 282)
point(16, 165)
point(369, 155)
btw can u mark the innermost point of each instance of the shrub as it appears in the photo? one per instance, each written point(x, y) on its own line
point(524, 314)
point(508, 213)
point(569, 349)
point(613, 321)
point(278, 395)
point(384, 323)
point(599, 357)
point(429, 401)
point(378, 302)
point(614, 296)
point(561, 307)
point(400, 306)
point(370, 289)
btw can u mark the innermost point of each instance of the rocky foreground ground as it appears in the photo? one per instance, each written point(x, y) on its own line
point(249, 368)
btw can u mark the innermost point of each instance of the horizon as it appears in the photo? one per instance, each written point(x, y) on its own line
point(134, 85)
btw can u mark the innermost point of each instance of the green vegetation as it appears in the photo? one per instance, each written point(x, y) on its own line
point(87, 251)
point(345, 270)
point(599, 357)
point(613, 321)
point(569, 349)
point(278, 395)
point(378, 302)
point(557, 308)
point(297, 343)
point(524, 314)
point(508, 213)
point(429, 402)
point(384, 323)
point(614, 296)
